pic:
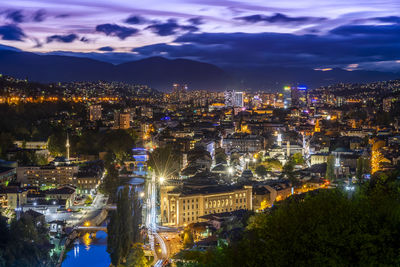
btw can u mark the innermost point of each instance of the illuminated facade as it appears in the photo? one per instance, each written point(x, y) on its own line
point(234, 99)
point(299, 96)
point(95, 112)
point(182, 207)
point(47, 175)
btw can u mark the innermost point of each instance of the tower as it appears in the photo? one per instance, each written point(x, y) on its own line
point(288, 149)
point(67, 145)
point(279, 139)
point(317, 128)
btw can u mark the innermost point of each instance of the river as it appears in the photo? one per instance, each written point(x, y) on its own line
point(89, 250)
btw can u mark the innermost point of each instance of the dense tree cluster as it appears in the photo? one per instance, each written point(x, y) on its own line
point(24, 242)
point(123, 229)
point(331, 227)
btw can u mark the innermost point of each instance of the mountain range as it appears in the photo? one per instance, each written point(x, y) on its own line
point(160, 73)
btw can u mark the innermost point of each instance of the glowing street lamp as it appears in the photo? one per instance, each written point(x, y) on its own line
point(230, 170)
point(162, 180)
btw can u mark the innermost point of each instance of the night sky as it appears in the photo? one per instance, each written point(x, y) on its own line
point(321, 34)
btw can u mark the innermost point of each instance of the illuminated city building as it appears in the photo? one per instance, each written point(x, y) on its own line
point(47, 175)
point(95, 112)
point(179, 92)
point(299, 96)
point(122, 120)
point(183, 205)
point(234, 99)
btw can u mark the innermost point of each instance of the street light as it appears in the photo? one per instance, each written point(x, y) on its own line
point(141, 194)
point(162, 180)
point(230, 170)
point(350, 187)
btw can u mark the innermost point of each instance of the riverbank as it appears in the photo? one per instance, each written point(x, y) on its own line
point(97, 220)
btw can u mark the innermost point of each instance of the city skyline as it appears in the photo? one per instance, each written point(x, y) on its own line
point(334, 34)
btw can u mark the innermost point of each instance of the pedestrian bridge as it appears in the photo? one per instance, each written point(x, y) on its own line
point(92, 228)
point(111, 206)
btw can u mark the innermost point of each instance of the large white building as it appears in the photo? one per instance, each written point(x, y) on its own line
point(234, 99)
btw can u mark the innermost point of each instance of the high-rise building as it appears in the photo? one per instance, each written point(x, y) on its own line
point(299, 96)
point(122, 120)
point(179, 92)
point(234, 99)
point(95, 112)
point(387, 104)
point(287, 99)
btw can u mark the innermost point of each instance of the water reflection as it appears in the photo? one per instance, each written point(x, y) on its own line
point(87, 239)
point(89, 250)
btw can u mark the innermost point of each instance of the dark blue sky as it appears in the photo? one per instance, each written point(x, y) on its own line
point(321, 34)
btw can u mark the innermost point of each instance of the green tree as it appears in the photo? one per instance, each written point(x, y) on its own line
point(272, 164)
point(24, 243)
point(123, 229)
point(187, 238)
point(220, 156)
point(120, 143)
point(298, 159)
point(323, 228)
point(330, 168)
point(6, 142)
point(165, 162)
point(136, 257)
point(111, 182)
point(56, 143)
point(288, 170)
point(261, 170)
point(363, 167)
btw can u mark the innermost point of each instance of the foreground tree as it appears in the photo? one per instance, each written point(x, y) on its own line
point(330, 168)
point(321, 228)
point(24, 243)
point(123, 229)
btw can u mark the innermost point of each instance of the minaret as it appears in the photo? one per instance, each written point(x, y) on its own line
point(279, 139)
point(67, 145)
point(288, 148)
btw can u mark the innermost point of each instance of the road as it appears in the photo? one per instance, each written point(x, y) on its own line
point(78, 218)
point(167, 239)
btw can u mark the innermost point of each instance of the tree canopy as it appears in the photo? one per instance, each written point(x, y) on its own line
point(321, 228)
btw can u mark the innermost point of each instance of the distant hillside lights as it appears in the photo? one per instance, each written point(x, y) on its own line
point(42, 99)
